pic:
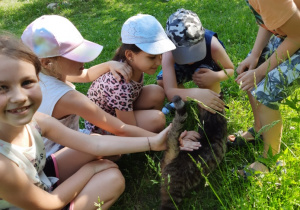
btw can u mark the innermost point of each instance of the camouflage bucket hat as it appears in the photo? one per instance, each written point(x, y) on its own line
point(184, 28)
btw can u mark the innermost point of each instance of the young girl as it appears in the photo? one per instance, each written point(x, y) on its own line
point(62, 52)
point(199, 56)
point(143, 42)
point(27, 179)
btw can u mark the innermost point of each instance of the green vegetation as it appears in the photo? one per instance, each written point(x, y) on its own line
point(101, 20)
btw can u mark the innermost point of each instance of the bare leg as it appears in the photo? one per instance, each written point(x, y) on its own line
point(151, 97)
point(160, 83)
point(108, 185)
point(69, 161)
point(257, 123)
point(147, 109)
point(151, 120)
point(272, 137)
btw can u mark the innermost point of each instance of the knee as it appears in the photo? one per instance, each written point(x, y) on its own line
point(160, 83)
point(117, 181)
point(158, 121)
point(157, 93)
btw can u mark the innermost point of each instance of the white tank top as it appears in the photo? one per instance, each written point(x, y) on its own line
point(52, 90)
point(30, 159)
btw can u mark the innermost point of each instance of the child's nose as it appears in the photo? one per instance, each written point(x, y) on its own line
point(158, 60)
point(18, 95)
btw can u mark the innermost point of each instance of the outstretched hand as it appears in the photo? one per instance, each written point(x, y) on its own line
point(159, 142)
point(189, 141)
point(119, 68)
point(211, 100)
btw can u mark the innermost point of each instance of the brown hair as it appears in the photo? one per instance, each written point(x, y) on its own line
point(120, 53)
point(12, 47)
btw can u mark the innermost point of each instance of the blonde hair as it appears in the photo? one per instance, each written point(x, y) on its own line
point(53, 68)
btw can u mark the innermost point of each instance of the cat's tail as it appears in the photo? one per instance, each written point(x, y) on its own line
point(177, 128)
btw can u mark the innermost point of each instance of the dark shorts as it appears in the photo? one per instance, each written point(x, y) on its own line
point(184, 75)
point(51, 170)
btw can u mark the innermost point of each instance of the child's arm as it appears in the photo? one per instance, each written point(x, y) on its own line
point(205, 78)
point(91, 74)
point(208, 97)
point(73, 102)
point(288, 47)
point(262, 39)
point(98, 145)
point(18, 190)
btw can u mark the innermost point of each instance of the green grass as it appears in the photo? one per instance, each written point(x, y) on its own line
point(101, 20)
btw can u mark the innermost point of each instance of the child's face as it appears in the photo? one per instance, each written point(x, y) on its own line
point(145, 62)
point(69, 67)
point(20, 93)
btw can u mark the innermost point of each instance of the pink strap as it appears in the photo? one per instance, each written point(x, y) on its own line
point(71, 205)
point(55, 167)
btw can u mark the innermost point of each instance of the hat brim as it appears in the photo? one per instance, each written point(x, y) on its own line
point(86, 52)
point(158, 47)
point(185, 55)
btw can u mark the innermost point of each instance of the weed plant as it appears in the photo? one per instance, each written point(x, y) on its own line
point(101, 20)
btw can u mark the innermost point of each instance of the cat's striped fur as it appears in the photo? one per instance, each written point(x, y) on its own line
point(179, 172)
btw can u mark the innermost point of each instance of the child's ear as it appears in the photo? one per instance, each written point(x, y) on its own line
point(129, 55)
point(46, 63)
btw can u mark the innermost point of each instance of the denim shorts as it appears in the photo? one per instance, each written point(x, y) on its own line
point(281, 81)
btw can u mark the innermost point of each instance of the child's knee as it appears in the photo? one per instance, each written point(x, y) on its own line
point(157, 94)
point(159, 121)
point(160, 83)
point(117, 180)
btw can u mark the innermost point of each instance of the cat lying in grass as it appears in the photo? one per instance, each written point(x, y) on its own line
point(180, 173)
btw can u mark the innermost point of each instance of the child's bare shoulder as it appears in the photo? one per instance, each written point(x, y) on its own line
point(216, 45)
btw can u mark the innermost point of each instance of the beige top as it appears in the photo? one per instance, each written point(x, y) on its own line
point(275, 12)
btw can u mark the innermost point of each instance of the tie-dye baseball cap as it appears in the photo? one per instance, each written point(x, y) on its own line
point(54, 35)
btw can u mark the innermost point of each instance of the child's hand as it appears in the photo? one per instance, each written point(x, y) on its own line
point(118, 68)
point(210, 99)
point(189, 141)
point(249, 63)
point(159, 142)
point(247, 79)
point(205, 77)
point(190, 135)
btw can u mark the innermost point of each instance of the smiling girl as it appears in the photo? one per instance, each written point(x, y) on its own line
point(30, 181)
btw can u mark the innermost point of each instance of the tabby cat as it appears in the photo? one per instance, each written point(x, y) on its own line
point(179, 172)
